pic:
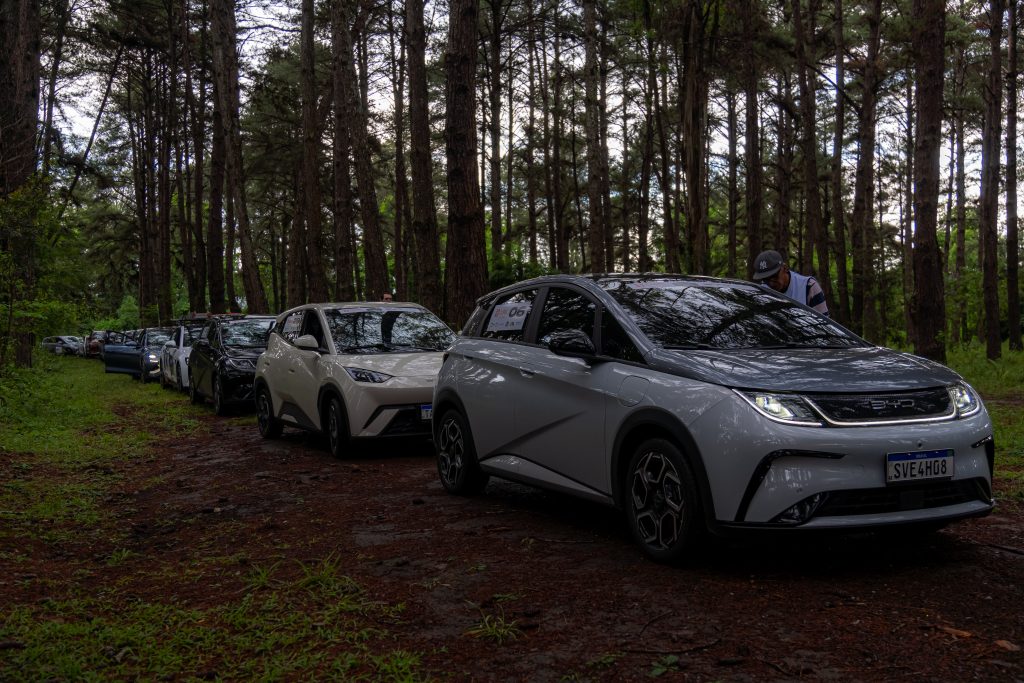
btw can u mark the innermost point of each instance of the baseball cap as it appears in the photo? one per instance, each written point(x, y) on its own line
point(767, 264)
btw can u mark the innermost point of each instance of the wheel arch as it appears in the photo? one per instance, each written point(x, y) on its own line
point(443, 400)
point(327, 391)
point(656, 423)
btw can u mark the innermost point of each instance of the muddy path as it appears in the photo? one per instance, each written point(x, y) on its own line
point(579, 600)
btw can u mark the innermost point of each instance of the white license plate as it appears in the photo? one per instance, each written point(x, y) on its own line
point(918, 465)
point(426, 411)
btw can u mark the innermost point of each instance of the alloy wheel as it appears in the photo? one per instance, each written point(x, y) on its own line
point(451, 450)
point(659, 504)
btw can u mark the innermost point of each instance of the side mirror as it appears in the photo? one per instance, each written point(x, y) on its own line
point(573, 344)
point(170, 345)
point(307, 342)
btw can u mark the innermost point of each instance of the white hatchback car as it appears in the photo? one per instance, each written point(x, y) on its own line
point(351, 370)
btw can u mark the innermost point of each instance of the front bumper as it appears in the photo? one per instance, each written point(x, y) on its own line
point(393, 408)
point(766, 474)
point(237, 385)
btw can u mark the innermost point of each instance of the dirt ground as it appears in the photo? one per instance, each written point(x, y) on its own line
point(586, 602)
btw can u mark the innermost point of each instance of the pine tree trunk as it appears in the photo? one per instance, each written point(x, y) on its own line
point(805, 29)
point(1012, 227)
point(344, 254)
point(752, 140)
point(315, 273)
point(988, 203)
point(466, 255)
point(929, 310)
point(842, 297)
point(427, 264)
point(215, 236)
point(592, 123)
point(355, 109)
point(225, 68)
point(865, 318)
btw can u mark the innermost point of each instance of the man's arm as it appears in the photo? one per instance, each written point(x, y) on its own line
point(816, 297)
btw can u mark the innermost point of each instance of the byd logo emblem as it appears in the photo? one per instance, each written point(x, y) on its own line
point(879, 404)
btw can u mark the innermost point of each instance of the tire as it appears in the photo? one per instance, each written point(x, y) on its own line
point(178, 385)
point(457, 465)
point(270, 427)
point(220, 404)
point(164, 384)
point(194, 397)
point(144, 376)
point(661, 502)
point(336, 427)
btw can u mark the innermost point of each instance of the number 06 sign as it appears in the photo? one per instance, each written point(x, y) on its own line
point(508, 317)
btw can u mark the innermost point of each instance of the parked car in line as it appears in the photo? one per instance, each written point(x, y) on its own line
point(222, 363)
point(139, 356)
point(698, 403)
point(175, 353)
point(351, 370)
point(62, 345)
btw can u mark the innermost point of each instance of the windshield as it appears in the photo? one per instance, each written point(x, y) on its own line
point(681, 314)
point(158, 337)
point(387, 330)
point(248, 333)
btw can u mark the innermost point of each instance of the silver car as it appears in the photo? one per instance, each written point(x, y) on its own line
point(698, 403)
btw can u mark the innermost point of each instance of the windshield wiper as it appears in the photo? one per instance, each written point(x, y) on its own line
point(692, 347)
point(365, 347)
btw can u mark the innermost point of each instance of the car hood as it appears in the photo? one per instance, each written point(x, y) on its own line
point(243, 352)
point(422, 364)
point(853, 370)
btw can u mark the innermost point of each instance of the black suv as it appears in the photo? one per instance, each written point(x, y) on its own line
point(222, 364)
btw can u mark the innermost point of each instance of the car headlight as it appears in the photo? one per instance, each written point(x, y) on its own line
point(361, 375)
point(243, 364)
point(965, 400)
point(152, 357)
point(785, 408)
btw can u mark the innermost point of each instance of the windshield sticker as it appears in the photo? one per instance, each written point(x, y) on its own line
point(508, 317)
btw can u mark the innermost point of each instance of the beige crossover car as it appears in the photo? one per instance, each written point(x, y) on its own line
point(351, 371)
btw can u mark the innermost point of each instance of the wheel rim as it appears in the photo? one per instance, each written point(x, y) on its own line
point(451, 450)
point(659, 508)
point(263, 412)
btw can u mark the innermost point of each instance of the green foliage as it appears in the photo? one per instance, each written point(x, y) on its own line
point(1001, 385)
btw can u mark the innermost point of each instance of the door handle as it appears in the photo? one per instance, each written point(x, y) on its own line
point(526, 372)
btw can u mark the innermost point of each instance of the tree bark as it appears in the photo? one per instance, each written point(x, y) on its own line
point(751, 19)
point(355, 109)
point(929, 311)
point(592, 125)
point(315, 273)
point(864, 318)
point(427, 265)
point(988, 204)
point(466, 255)
point(805, 29)
point(1012, 227)
point(225, 70)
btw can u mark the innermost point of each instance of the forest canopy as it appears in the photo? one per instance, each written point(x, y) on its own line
point(161, 157)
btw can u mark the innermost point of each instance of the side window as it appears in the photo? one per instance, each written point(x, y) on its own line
point(565, 309)
point(311, 325)
point(508, 317)
point(291, 326)
point(473, 324)
point(615, 342)
point(213, 336)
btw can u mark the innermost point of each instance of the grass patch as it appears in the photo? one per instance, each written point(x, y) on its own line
point(1001, 385)
point(63, 425)
point(297, 631)
point(495, 627)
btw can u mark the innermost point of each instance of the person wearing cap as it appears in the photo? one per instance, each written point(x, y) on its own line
point(771, 269)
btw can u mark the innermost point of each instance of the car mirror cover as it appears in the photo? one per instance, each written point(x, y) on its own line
point(307, 342)
point(572, 343)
